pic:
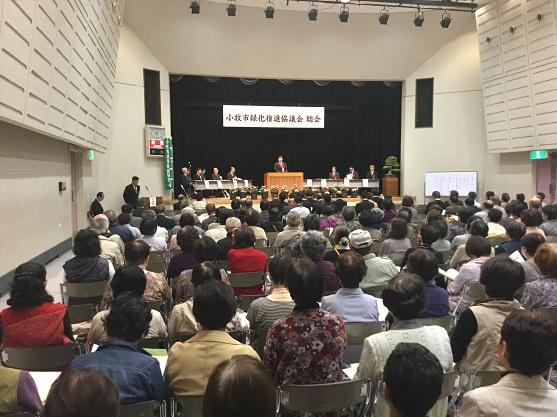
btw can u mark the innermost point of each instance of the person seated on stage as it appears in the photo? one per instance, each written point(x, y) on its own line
point(352, 174)
point(87, 265)
point(112, 247)
point(116, 229)
point(130, 280)
point(334, 174)
point(198, 176)
point(161, 219)
point(216, 176)
point(350, 302)
point(185, 180)
point(372, 174)
point(313, 245)
point(292, 231)
point(412, 380)
point(137, 374)
point(526, 349)
point(186, 237)
point(218, 231)
point(243, 257)
point(329, 220)
point(148, 229)
point(19, 393)
point(157, 289)
point(371, 221)
point(252, 219)
point(232, 175)
point(424, 264)
point(397, 238)
point(77, 394)
point(348, 215)
point(211, 216)
point(280, 165)
point(33, 318)
point(96, 206)
point(190, 363)
point(274, 222)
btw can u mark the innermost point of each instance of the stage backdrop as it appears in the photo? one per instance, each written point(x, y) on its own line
point(362, 126)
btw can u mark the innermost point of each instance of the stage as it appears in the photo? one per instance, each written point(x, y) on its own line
point(352, 201)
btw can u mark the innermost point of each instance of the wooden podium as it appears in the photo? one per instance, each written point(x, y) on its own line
point(147, 203)
point(390, 185)
point(279, 179)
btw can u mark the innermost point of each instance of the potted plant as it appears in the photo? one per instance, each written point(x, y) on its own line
point(233, 193)
point(264, 193)
point(254, 193)
point(343, 192)
point(391, 166)
point(243, 192)
point(353, 192)
point(274, 191)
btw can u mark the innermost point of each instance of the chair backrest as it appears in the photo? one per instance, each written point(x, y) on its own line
point(449, 381)
point(446, 254)
point(182, 337)
point(326, 233)
point(144, 409)
point(323, 398)
point(258, 337)
point(356, 334)
point(496, 241)
point(376, 291)
point(157, 261)
point(43, 358)
point(475, 291)
point(245, 279)
point(446, 322)
point(76, 290)
point(156, 305)
point(482, 379)
point(152, 343)
point(260, 243)
point(81, 312)
point(244, 301)
point(271, 238)
point(396, 257)
point(270, 251)
point(191, 406)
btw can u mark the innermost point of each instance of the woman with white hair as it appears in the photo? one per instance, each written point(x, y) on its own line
point(292, 232)
point(112, 248)
point(313, 245)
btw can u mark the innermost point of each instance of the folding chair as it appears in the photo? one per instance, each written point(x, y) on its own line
point(376, 247)
point(258, 337)
point(323, 398)
point(181, 337)
point(475, 291)
point(82, 292)
point(189, 407)
point(157, 261)
point(446, 254)
point(79, 313)
point(153, 343)
point(396, 257)
point(260, 243)
point(160, 306)
point(270, 251)
point(446, 322)
point(245, 279)
point(482, 379)
point(356, 333)
point(271, 238)
point(44, 358)
point(244, 301)
point(376, 291)
point(144, 409)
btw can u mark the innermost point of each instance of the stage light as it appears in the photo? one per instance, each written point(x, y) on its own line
point(269, 10)
point(419, 18)
point(231, 8)
point(344, 13)
point(384, 16)
point(195, 7)
point(445, 20)
point(312, 13)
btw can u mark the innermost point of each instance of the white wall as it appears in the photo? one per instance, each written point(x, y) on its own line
point(457, 139)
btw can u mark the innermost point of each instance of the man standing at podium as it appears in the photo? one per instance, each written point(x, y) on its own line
point(280, 165)
point(131, 192)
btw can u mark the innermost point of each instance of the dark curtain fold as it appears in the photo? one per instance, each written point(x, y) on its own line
point(362, 126)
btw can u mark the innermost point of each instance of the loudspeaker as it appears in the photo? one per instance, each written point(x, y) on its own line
point(424, 102)
point(152, 96)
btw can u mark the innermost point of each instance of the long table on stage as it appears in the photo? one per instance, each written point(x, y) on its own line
point(326, 183)
point(221, 185)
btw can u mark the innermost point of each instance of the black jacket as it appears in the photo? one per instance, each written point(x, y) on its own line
point(96, 208)
point(130, 196)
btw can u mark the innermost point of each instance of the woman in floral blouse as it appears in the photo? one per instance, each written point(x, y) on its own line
point(306, 346)
point(137, 253)
point(542, 293)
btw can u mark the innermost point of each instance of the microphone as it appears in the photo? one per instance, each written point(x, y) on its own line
point(147, 188)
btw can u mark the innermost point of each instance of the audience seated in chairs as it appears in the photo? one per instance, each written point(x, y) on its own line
point(190, 363)
point(526, 349)
point(243, 257)
point(429, 233)
point(87, 265)
point(349, 218)
point(494, 228)
point(224, 245)
point(306, 346)
point(542, 293)
point(264, 311)
point(397, 238)
point(148, 230)
point(127, 279)
point(412, 380)
point(441, 244)
point(124, 219)
point(372, 222)
point(82, 393)
point(350, 303)
point(478, 250)
point(379, 270)
point(273, 222)
point(313, 245)
point(312, 222)
point(457, 227)
point(115, 228)
point(475, 337)
point(252, 221)
point(389, 212)
point(532, 219)
point(424, 264)
point(549, 215)
point(240, 387)
point(291, 233)
point(32, 318)
point(329, 220)
point(210, 218)
point(112, 247)
point(528, 246)
point(217, 230)
point(515, 232)
point(461, 239)
point(186, 238)
point(18, 392)
point(136, 220)
point(340, 243)
point(477, 228)
point(136, 373)
point(161, 219)
point(182, 319)
point(186, 219)
point(405, 297)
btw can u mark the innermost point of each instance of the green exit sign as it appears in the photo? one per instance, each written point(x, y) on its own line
point(540, 154)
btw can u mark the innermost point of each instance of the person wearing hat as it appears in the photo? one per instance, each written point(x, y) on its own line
point(379, 270)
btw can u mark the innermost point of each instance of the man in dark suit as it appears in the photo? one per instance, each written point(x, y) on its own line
point(280, 165)
point(232, 174)
point(352, 174)
point(185, 181)
point(436, 195)
point(131, 192)
point(372, 173)
point(216, 176)
point(365, 204)
point(96, 206)
point(198, 176)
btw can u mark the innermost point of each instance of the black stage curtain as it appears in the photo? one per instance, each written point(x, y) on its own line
point(362, 126)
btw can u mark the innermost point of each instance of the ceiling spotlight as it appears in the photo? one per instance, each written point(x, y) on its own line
point(343, 16)
point(419, 18)
point(384, 16)
point(269, 10)
point(445, 20)
point(231, 8)
point(312, 13)
point(194, 6)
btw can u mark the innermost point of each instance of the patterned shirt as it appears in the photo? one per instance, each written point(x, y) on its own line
point(549, 227)
point(541, 293)
point(306, 347)
point(157, 288)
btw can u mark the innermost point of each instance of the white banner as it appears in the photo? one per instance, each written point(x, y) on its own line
point(273, 116)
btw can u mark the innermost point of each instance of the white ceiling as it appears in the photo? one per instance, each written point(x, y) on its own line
point(288, 46)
